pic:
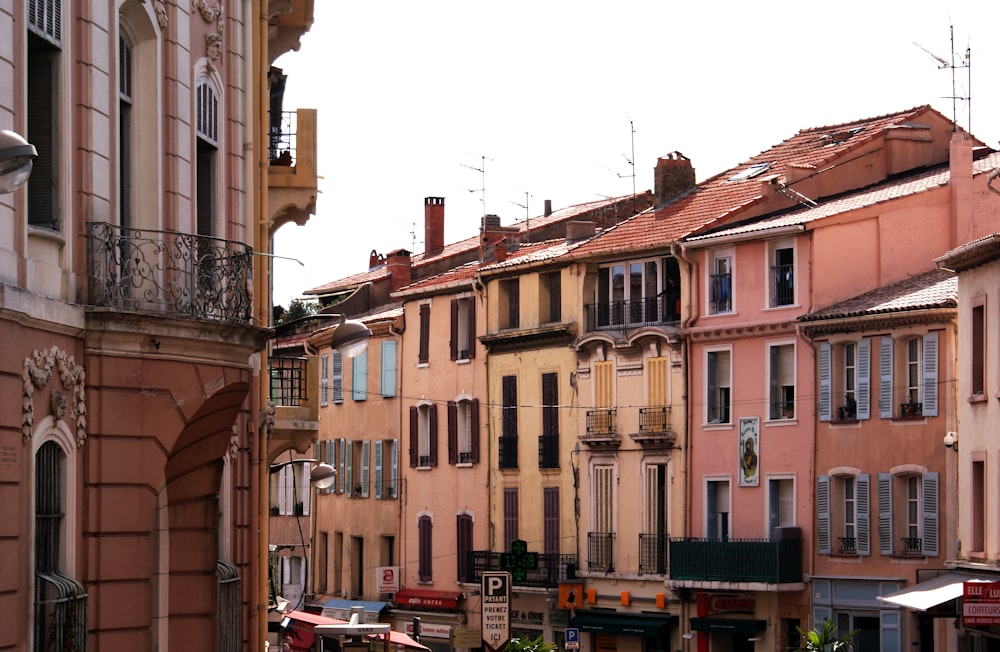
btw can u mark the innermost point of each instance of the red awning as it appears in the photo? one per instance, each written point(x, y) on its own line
point(300, 630)
point(399, 638)
point(313, 619)
point(428, 599)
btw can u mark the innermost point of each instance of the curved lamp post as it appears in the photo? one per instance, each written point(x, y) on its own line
point(16, 157)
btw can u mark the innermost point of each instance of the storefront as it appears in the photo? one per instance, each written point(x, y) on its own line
point(610, 630)
point(727, 621)
point(438, 614)
point(854, 605)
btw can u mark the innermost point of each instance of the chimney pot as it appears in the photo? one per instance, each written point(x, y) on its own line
point(673, 176)
point(548, 207)
point(433, 225)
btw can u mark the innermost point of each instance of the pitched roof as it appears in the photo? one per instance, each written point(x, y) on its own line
point(933, 289)
point(725, 195)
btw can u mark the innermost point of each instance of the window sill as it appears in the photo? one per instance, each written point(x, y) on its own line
point(914, 419)
point(717, 426)
point(789, 306)
point(914, 556)
point(720, 314)
point(463, 361)
point(422, 365)
point(464, 465)
point(783, 421)
point(424, 468)
point(844, 422)
point(978, 398)
point(845, 555)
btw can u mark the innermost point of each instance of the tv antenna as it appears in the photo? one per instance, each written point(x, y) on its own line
point(527, 216)
point(481, 170)
point(413, 236)
point(951, 65)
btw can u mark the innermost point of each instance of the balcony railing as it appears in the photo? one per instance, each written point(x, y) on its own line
point(601, 423)
point(600, 552)
point(736, 560)
point(912, 545)
point(782, 285)
point(508, 452)
point(848, 545)
point(653, 554)
point(169, 273)
point(720, 294)
point(626, 315)
point(654, 420)
point(288, 381)
point(548, 451)
point(550, 571)
point(283, 142)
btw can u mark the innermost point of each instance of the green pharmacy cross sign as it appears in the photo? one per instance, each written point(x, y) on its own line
point(518, 561)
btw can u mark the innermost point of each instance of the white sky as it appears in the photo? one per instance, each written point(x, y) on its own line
point(412, 95)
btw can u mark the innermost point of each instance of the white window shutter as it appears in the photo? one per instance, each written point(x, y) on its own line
point(342, 469)
point(823, 514)
point(864, 514)
point(930, 408)
point(394, 466)
point(929, 509)
point(885, 543)
point(825, 385)
point(388, 380)
point(863, 365)
point(885, 345)
point(366, 458)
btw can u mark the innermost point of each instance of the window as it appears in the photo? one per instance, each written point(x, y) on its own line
point(463, 329)
point(781, 379)
point(548, 443)
point(463, 546)
point(781, 504)
point(600, 541)
point(653, 542)
point(207, 130)
point(510, 303)
point(423, 435)
point(782, 276)
point(909, 389)
point(290, 491)
point(717, 510)
point(978, 507)
point(124, 132)
point(463, 431)
point(720, 283)
point(908, 514)
point(423, 354)
point(842, 505)
point(508, 436)
point(844, 380)
point(326, 452)
point(387, 386)
point(978, 362)
point(386, 469)
point(717, 399)
point(425, 567)
point(550, 297)
point(510, 516)
point(42, 115)
point(550, 521)
point(359, 377)
point(637, 292)
point(336, 377)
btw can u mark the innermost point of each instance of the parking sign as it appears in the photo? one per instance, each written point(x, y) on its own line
point(496, 610)
point(572, 638)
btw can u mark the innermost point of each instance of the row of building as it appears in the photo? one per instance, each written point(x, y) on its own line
point(697, 418)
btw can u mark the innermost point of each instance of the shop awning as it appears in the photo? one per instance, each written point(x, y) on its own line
point(941, 589)
point(425, 598)
point(299, 631)
point(742, 626)
point(400, 638)
point(339, 608)
point(622, 624)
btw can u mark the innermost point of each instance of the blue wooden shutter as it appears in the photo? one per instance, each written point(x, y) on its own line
point(823, 514)
point(930, 375)
point(388, 368)
point(378, 470)
point(825, 387)
point(862, 485)
point(929, 507)
point(359, 377)
point(885, 345)
point(885, 542)
point(394, 469)
point(336, 377)
point(342, 470)
point(863, 365)
point(324, 379)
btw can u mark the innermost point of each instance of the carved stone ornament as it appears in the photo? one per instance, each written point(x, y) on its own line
point(160, 9)
point(234, 443)
point(213, 42)
point(267, 424)
point(208, 14)
point(37, 371)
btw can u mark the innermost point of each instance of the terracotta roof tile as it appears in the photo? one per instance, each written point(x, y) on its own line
point(934, 289)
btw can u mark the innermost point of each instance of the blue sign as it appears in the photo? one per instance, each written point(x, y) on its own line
point(572, 638)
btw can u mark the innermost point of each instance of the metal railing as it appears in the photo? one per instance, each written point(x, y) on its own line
point(548, 451)
point(624, 315)
point(549, 572)
point(289, 386)
point(912, 545)
point(600, 552)
point(720, 295)
point(283, 140)
point(654, 420)
point(783, 289)
point(848, 545)
point(601, 422)
point(653, 551)
point(168, 272)
point(508, 452)
point(736, 560)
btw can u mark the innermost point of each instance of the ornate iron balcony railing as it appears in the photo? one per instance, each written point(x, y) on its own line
point(653, 554)
point(508, 452)
point(289, 381)
point(627, 315)
point(601, 422)
point(550, 571)
point(654, 420)
point(169, 272)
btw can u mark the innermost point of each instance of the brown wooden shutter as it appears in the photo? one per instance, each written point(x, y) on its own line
point(472, 328)
point(425, 332)
point(414, 437)
point(454, 329)
point(452, 432)
point(474, 427)
point(434, 434)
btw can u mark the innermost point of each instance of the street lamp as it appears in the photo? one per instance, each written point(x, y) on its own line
point(322, 475)
point(16, 156)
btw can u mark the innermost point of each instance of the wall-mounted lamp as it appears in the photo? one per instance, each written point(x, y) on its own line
point(16, 157)
point(322, 475)
point(688, 636)
point(951, 440)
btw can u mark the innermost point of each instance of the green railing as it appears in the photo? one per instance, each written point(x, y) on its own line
point(736, 560)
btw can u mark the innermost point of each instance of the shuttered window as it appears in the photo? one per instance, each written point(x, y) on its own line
point(324, 380)
point(423, 354)
point(604, 384)
point(550, 405)
point(550, 520)
point(336, 377)
point(604, 498)
point(425, 569)
point(463, 546)
point(388, 379)
point(510, 516)
point(359, 377)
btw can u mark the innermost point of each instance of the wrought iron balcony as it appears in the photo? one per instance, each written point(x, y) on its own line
point(289, 381)
point(736, 560)
point(548, 451)
point(601, 423)
point(601, 552)
point(654, 428)
point(653, 554)
point(549, 572)
point(168, 272)
point(508, 452)
point(629, 315)
point(782, 285)
point(913, 545)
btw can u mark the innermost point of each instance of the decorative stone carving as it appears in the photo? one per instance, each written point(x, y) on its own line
point(234, 443)
point(213, 42)
point(267, 421)
point(37, 372)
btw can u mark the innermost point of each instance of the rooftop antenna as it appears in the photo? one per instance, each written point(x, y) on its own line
point(481, 170)
point(631, 163)
point(527, 216)
point(950, 64)
point(413, 236)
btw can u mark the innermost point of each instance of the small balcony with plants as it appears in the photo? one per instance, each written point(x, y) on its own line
point(292, 174)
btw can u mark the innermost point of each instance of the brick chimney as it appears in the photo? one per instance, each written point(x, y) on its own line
point(548, 207)
point(674, 175)
point(492, 233)
point(375, 259)
point(579, 230)
point(433, 225)
point(398, 264)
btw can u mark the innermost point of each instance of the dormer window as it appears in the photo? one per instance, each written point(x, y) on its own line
point(754, 170)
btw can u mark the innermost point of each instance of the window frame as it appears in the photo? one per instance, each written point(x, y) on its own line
point(718, 524)
point(783, 406)
point(716, 393)
point(781, 292)
point(719, 295)
point(463, 329)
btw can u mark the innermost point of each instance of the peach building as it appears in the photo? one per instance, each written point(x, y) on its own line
point(134, 312)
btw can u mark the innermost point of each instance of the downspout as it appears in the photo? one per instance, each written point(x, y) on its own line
point(401, 495)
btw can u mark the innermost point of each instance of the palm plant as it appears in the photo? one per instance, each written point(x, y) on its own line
point(824, 638)
point(528, 644)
